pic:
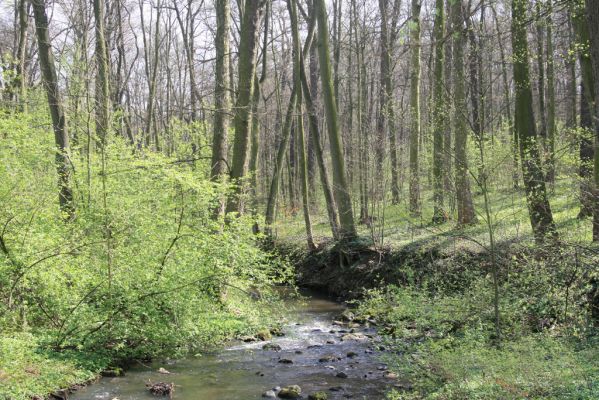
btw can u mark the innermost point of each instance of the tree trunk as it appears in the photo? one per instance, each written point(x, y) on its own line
point(386, 118)
point(250, 27)
point(347, 229)
point(59, 123)
point(448, 178)
point(550, 98)
point(587, 111)
point(571, 75)
point(315, 138)
point(539, 209)
point(312, 163)
point(439, 114)
point(271, 204)
point(585, 170)
point(540, 56)
point(102, 83)
point(152, 61)
point(22, 51)
point(592, 12)
point(508, 104)
point(463, 195)
point(415, 107)
point(218, 164)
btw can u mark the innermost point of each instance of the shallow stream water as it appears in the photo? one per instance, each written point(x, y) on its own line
point(245, 371)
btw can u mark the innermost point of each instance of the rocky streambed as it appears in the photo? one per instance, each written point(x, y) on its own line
point(320, 355)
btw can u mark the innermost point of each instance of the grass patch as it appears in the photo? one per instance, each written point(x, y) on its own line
point(26, 372)
point(443, 345)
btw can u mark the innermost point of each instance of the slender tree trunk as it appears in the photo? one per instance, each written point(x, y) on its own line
point(337, 14)
point(152, 72)
point(448, 178)
point(592, 12)
point(361, 110)
point(465, 207)
point(347, 229)
point(102, 80)
point(315, 137)
point(439, 113)
point(187, 33)
point(218, 165)
point(474, 81)
point(386, 115)
point(539, 209)
point(550, 97)
point(587, 150)
point(303, 162)
point(585, 170)
point(271, 204)
point(22, 51)
point(59, 123)
point(415, 107)
point(255, 146)
point(571, 75)
point(540, 56)
point(313, 68)
point(508, 103)
point(250, 27)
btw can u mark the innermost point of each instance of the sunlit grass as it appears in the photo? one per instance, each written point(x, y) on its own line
point(395, 227)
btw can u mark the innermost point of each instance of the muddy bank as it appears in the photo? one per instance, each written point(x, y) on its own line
point(347, 270)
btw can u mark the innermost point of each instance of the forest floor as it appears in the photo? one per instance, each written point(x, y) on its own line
point(392, 225)
point(431, 289)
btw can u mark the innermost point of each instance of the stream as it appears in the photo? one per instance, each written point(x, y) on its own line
point(314, 355)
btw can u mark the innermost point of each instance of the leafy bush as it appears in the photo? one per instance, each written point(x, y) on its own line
point(144, 269)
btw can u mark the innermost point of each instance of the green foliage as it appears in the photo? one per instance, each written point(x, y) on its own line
point(533, 367)
point(26, 372)
point(444, 344)
point(143, 271)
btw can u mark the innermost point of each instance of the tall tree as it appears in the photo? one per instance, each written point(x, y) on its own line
point(415, 107)
point(586, 149)
point(386, 118)
point(218, 164)
point(303, 162)
point(551, 128)
point(248, 43)
point(59, 122)
point(539, 209)
point(540, 57)
point(319, 154)
point(439, 113)
point(102, 80)
point(271, 203)
point(152, 61)
point(592, 12)
point(585, 169)
point(507, 101)
point(465, 206)
point(21, 53)
point(347, 229)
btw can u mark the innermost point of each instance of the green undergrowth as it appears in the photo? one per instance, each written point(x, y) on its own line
point(142, 271)
point(27, 371)
point(444, 342)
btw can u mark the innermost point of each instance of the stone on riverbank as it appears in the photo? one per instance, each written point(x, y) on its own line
point(318, 396)
point(290, 392)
